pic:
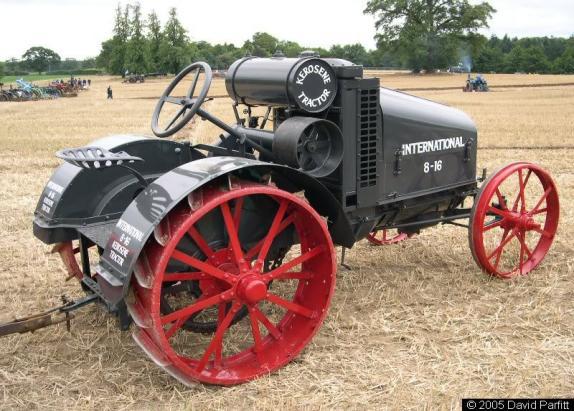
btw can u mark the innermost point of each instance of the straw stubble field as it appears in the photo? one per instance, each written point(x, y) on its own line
point(416, 325)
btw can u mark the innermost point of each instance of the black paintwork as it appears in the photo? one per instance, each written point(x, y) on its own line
point(305, 83)
point(380, 182)
point(76, 197)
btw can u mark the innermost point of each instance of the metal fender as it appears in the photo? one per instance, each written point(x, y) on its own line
point(75, 197)
point(137, 223)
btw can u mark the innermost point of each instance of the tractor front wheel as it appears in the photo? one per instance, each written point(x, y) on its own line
point(514, 220)
point(226, 247)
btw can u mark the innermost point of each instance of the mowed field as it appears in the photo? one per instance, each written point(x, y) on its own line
point(415, 325)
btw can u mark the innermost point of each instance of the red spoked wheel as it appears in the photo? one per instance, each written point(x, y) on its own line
point(514, 220)
point(386, 237)
point(228, 247)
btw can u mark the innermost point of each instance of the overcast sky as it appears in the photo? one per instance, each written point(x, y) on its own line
point(76, 28)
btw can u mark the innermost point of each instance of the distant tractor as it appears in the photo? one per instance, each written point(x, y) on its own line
point(134, 78)
point(476, 84)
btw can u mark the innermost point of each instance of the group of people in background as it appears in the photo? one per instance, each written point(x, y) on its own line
point(81, 83)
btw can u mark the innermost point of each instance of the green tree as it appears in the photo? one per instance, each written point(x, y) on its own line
point(90, 62)
point(137, 53)
point(491, 59)
point(565, 63)
point(426, 33)
point(1, 70)
point(261, 45)
point(154, 37)
point(174, 50)
point(113, 54)
point(69, 64)
point(355, 53)
point(515, 61)
point(336, 51)
point(289, 48)
point(506, 44)
point(40, 59)
point(535, 60)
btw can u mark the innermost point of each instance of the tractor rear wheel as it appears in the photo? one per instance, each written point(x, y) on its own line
point(386, 237)
point(514, 220)
point(218, 244)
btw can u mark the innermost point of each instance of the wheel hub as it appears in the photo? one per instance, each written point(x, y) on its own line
point(251, 289)
point(521, 221)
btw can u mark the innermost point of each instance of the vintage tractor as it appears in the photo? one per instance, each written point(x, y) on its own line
point(221, 257)
point(134, 78)
point(478, 84)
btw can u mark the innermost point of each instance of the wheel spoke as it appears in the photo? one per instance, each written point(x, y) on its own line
point(203, 266)
point(539, 211)
point(542, 232)
point(523, 247)
point(176, 117)
point(257, 343)
point(539, 203)
point(492, 225)
point(293, 263)
point(499, 254)
point(291, 306)
point(266, 322)
point(194, 84)
point(200, 242)
point(175, 327)
point(255, 249)
point(501, 199)
point(273, 231)
point(497, 211)
point(216, 344)
point(197, 306)
point(521, 185)
point(183, 276)
point(295, 275)
point(174, 100)
point(521, 253)
point(502, 244)
point(237, 209)
point(220, 319)
point(232, 232)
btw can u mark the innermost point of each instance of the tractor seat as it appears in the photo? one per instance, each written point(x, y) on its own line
point(91, 157)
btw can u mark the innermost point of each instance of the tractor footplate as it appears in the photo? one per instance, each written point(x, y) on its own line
point(98, 234)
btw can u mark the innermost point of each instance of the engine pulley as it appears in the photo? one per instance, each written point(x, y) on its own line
point(311, 144)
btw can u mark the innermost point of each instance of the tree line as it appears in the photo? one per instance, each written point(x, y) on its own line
point(435, 34)
point(528, 55)
point(40, 59)
point(420, 35)
point(141, 45)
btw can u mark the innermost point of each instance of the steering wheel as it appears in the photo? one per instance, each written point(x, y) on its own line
point(189, 104)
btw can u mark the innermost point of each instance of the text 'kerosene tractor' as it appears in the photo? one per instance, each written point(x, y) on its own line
point(221, 257)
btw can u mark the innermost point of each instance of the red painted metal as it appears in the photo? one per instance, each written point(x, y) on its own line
point(237, 280)
point(68, 253)
point(514, 220)
point(386, 237)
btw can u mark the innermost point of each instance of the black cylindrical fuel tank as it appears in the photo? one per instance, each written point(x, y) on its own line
point(308, 84)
